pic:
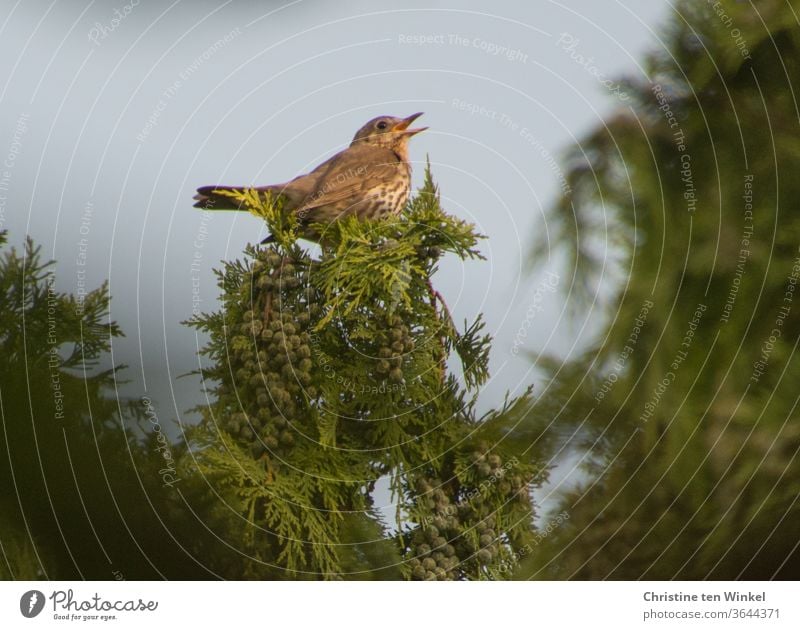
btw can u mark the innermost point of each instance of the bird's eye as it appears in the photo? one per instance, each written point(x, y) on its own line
point(382, 125)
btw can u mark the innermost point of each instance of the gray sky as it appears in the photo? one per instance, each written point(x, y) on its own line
point(113, 113)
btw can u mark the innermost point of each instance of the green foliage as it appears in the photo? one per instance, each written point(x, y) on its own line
point(80, 495)
point(695, 476)
point(270, 208)
point(26, 287)
point(330, 373)
point(18, 559)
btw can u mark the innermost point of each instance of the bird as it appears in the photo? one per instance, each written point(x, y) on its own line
point(369, 179)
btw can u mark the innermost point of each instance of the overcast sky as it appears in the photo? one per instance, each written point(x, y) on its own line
point(112, 113)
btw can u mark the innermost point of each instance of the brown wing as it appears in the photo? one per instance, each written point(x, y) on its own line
point(348, 178)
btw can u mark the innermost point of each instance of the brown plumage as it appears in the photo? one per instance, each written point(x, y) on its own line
point(369, 179)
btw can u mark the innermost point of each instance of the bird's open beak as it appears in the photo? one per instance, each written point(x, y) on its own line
point(404, 125)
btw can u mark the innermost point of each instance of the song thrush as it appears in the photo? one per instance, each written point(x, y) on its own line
point(369, 179)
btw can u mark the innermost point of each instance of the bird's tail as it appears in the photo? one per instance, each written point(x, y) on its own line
point(211, 198)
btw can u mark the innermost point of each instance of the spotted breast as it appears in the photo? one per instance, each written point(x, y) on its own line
point(387, 198)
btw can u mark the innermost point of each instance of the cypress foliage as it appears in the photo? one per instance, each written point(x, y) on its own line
point(328, 374)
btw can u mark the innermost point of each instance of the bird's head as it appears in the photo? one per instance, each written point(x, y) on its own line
point(388, 131)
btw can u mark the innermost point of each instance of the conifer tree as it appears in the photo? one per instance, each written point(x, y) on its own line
point(687, 405)
point(327, 374)
point(81, 496)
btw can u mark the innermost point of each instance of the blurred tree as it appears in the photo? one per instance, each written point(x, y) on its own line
point(331, 374)
point(687, 406)
point(80, 495)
